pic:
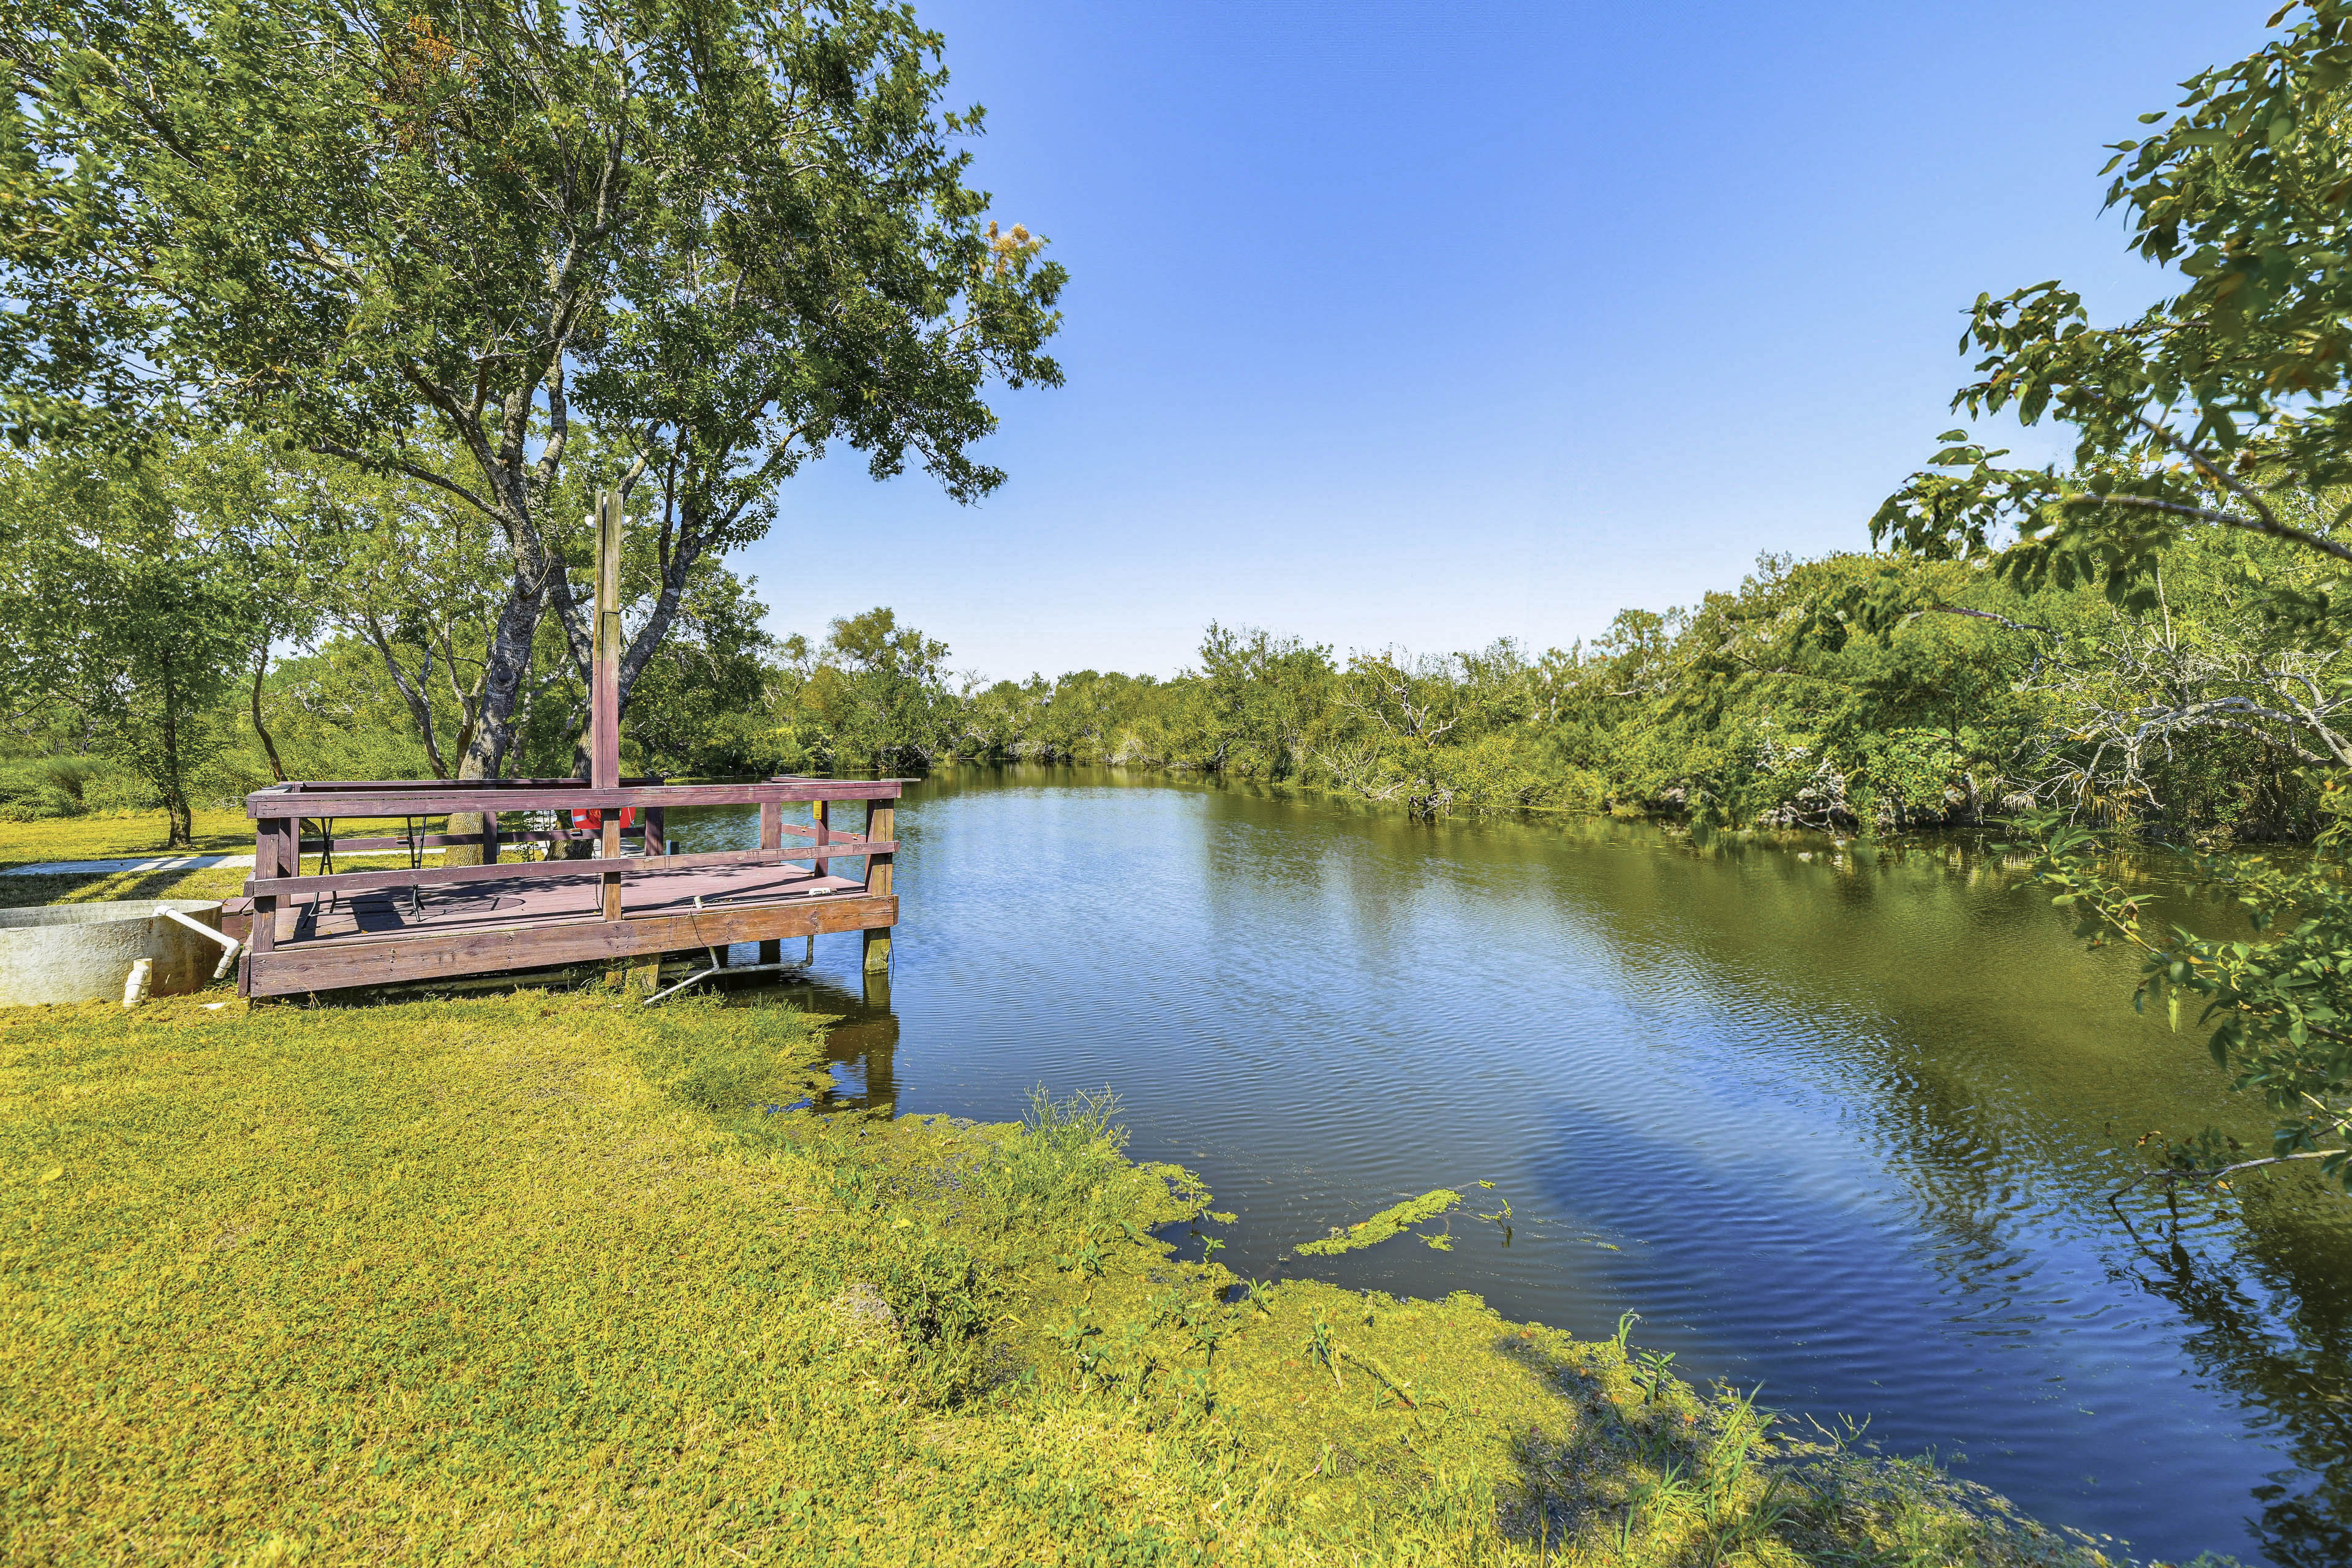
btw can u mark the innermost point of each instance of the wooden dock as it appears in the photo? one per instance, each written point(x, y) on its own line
point(330, 930)
point(578, 896)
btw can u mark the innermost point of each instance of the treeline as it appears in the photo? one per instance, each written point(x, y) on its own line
point(2199, 714)
point(2195, 713)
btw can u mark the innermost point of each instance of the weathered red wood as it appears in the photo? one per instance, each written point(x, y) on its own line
point(604, 690)
point(535, 915)
point(380, 914)
point(584, 871)
point(431, 800)
point(443, 840)
point(881, 822)
point(423, 841)
point(604, 675)
point(329, 965)
point(634, 781)
point(841, 846)
point(263, 936)
point(609, 859)
point(772, 840)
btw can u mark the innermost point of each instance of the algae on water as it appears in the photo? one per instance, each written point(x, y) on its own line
point(1389, 1221)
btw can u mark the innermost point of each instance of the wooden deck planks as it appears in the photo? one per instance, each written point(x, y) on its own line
point(423, 799)
point(333, 964)
point(325, 943)
point(539, 897)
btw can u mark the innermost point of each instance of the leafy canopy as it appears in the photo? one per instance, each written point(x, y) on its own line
point(2221, 408)
point(725, 233)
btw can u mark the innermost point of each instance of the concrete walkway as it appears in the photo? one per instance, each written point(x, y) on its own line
point(168, 863)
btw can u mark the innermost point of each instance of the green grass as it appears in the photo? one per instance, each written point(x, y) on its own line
point(81, 888)
point(118, 836)
point(124, 836)
point(536, 1277)
point(130, 835)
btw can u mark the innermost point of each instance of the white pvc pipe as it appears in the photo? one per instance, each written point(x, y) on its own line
point(229, 944)
point(136, 985)
point(731, 969)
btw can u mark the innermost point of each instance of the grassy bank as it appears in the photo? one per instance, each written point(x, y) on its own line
point(128, 835)
point(539, 1277)
point(118, 836)
point(121, 836)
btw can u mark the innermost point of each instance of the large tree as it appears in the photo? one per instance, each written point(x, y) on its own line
point(129, 593)
point(739, 230)
point(2222, 409)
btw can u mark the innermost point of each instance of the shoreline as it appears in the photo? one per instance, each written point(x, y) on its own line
point(542, 1274)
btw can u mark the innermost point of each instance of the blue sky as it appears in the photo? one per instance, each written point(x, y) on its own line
point(1423, 324)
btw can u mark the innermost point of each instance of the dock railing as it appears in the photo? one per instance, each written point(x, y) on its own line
point(284, 817)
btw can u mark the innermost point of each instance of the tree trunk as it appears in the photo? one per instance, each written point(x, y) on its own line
point(181, 833)
point(504, 668)
point(269, 746)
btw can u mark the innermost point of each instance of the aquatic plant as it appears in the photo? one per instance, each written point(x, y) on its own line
point(1650, 1373)
point(1380, 1227)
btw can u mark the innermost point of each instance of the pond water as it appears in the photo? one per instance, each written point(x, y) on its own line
point(1839, 1125)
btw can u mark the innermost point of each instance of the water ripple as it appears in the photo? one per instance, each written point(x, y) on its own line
point(1838, 1126)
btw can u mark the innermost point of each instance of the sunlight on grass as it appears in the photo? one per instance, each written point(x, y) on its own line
point(552, 1276)
point(119, 835)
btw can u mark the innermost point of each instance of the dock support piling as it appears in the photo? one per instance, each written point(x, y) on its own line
point(881, 826)
point(771, 836)
point(645, 975)
point(261, 936)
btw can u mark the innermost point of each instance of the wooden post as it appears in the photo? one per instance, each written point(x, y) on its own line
point(604, 697)
point(771, 836)
point(881, 827)
point(263, 936)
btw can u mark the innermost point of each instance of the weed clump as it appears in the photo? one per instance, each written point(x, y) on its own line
point(1389, 1221)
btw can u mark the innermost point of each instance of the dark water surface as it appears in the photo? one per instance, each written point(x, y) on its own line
point(1841, 1126)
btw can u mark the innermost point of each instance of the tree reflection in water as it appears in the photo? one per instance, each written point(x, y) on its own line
point(2269, 1322)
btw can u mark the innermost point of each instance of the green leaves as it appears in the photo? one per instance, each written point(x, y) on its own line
point(2216, 402)
point(730, 235)
point(137, 593)
point(2281, 1008)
